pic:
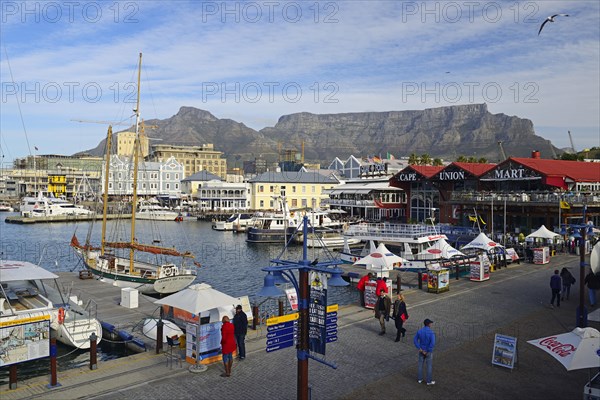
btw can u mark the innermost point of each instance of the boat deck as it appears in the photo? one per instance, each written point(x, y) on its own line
point(108, 299)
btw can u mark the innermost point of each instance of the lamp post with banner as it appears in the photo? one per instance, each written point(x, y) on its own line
point(311, 288)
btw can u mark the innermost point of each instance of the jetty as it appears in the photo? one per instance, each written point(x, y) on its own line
point(62, 218)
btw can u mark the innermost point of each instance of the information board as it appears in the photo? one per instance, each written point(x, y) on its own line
point(282, 332)
point(317, 310)
point(505, 351)
point(24, 339)
point(331, 324)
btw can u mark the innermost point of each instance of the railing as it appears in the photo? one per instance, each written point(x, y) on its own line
point(391, 230)
point(530, 197)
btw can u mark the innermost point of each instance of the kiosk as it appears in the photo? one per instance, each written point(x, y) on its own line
point(480, 269)
point(541, 255)
point(438, 280)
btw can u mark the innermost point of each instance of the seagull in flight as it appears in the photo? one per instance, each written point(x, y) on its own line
point(550, 19)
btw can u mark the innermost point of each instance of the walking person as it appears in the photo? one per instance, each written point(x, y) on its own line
point(593, 283)
point(555, 285)
point(227, 345)
point(400, 315)
point(425, 341)
point(382, 310)
point(240, 328)
point(361, 285)
point(567, 280)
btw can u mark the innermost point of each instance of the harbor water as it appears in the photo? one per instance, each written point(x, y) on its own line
point(228, 263)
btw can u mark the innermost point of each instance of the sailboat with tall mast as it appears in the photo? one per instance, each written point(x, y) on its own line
point(116, 262)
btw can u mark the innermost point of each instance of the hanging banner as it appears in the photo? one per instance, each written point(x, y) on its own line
point(292, 298)
point(317, 309)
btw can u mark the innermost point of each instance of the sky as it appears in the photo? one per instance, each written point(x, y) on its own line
point(253, 62)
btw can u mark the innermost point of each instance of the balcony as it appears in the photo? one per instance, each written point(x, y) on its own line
point(538, 198)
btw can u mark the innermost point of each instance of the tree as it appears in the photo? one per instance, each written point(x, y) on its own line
point(482, 160)
point(413, 159)
point(425, 159)
point(461, 159)
point(437, 162)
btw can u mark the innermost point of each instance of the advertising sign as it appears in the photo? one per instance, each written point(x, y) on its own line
point(24, 339)
point(317, 308)
point(202, 341)
point(292, 298)
point(505, 351)
point(370, 296)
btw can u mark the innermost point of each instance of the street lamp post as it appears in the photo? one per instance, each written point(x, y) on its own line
point(301, 285)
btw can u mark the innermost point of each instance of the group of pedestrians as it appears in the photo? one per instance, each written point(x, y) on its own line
point(233, 337)
point(560, 284)
point(424, 339)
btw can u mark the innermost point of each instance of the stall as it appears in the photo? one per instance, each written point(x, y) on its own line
point(541, 255)
point(438, 280)
point(480, 269)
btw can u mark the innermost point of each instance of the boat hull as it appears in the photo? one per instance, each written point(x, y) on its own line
point(256, 235)
point(165, 285)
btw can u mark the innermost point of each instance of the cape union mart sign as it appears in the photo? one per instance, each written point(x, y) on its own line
point(452, 176)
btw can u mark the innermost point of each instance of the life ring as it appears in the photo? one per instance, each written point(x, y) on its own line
point(168, 271)
point(353, 259)
point(61, 315)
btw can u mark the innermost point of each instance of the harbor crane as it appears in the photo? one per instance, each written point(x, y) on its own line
point(502, 150)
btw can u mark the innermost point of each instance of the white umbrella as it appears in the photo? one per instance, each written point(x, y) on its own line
point(543, 233)
point(595, 258)
point(482, 242)
point(440, 249)
point(199, 298)
point(381, 259)
point(577, 349)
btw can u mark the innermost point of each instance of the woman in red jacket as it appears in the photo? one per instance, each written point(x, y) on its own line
point(227, 344)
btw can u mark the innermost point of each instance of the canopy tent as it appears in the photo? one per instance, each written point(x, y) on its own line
point(440, 249)
point(595, 258)
point(200, 298)
point(381, 259)
point(543, 233)
point(482, 242)
point(577, 349)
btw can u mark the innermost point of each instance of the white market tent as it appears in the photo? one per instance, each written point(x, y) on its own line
point(543, 233)
point(482, 242)
point(440, 249)
point(381, 259)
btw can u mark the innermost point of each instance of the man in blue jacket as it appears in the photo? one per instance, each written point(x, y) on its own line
point(425, 341)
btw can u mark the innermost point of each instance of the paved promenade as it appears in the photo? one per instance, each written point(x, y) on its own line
point(513, 302)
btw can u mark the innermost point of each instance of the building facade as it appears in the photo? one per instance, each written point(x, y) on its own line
point(154, 178)
point(125, 142)
point(193, 158)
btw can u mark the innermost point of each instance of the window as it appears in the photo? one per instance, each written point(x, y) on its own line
point(168, 186)
point(293, 189)
point(261, 189)
point(313, 189)
point(271, 189)
point(262, 203)
point(168, 176)
point(303, 189)
point(294, 202)
point(304, 203)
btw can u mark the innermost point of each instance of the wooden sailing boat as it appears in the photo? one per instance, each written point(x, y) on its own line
point(115, 262)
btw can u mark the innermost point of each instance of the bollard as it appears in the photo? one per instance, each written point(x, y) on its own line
point(398, 283)
point(93, 351)
point(159, 335)
point(420, 277)
point(12, 377)
point(457, 271)
point(280, 307)
point(254, 317)
point(53, 352)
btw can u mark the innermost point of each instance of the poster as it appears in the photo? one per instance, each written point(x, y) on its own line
point(370, 296)
point(292, 298)
point(24, 339)
point(206, 337)
point(480, 269)
point(505, 351)
point(438, 280)
point(317, 308)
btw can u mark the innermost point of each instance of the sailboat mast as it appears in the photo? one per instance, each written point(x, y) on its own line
point(136, 147)
point(105, 193)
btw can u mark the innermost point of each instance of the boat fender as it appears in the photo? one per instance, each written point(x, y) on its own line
point(125, 336)
point(139, 343)
point(61, 315)
point(108, 327)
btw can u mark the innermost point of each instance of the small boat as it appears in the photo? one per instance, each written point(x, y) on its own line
point(330, 240)
point(237, 222)
point(4, 207)
point(155, 212)
point(26, 294)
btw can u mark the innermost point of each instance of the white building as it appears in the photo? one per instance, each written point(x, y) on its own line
point(213, 194)
point(154, 178)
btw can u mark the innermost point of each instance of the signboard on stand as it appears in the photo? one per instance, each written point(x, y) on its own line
point(370, 296)
point(505, 351)
point(438, 280)
point(202, 341)
point(24, 339)
point(317, 310)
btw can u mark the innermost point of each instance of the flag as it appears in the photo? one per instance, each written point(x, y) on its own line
point(481, 220)
point(472, 219)
point(390, 156)
point(377, 160)
point(564, 205)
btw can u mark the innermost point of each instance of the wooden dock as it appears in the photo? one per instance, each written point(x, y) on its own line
point(62, 218)
point(108, 300)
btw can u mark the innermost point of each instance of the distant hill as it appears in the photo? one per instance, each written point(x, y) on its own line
point(444, 132)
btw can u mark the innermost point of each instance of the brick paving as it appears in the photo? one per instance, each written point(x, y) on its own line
point(513, 302)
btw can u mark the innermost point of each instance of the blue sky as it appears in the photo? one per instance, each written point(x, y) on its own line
point(255, 61)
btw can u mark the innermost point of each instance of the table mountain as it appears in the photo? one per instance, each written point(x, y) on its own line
point(444, 132)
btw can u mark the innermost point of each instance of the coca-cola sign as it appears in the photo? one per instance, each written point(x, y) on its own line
point(561, 349)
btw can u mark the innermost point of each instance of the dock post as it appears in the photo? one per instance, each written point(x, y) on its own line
point(420, 278)
point(53, 353)
point(93, 352)
point(159, 335)
point(280, 307)
point(12, 377)
point(398, 283)
point(254, 316)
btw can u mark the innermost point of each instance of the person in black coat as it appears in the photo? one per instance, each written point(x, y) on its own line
point(240, 328)
point(400, 315)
